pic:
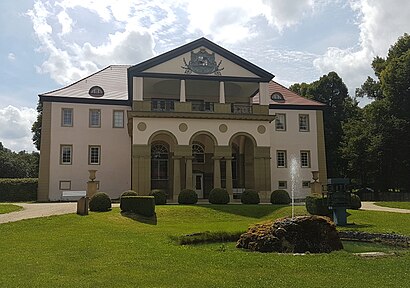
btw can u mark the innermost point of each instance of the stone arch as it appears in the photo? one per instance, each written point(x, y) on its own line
point(164, 136)
point(243, 134)
point(207, 133)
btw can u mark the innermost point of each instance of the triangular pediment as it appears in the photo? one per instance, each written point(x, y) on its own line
point(201, 58)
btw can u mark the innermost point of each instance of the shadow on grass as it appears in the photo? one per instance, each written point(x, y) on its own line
point(142, 219)
point(251, 211)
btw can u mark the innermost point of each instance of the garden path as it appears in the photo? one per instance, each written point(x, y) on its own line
point(373, 207)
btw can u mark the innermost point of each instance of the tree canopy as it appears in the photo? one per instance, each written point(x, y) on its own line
point(18, 164)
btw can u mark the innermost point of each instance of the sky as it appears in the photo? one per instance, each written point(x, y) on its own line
point(46, 45)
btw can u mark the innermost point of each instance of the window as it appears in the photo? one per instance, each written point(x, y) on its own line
point(95, 118)
point(304, 122)
point(65, 185)
point(159, 162)
point(305, 184)
point(277, 97)
point(282, 184)
point(66, 154)
point(305, 159)
point(96, 91)
point(162, 105)
point(94, 154)
point(67, 117)
point(198, 152)
point(280, 122)
point(281, 158)
point(118, 119)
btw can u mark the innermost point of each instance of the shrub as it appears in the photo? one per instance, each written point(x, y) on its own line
point(143, 205)
point(280, 197)
point(129, 193)
point(187, 196)
point(18, 189)
point(218, 196)
point(250, 196)
point(355, 202)
point(317, 205)
point(100, 202)
point(160, 196)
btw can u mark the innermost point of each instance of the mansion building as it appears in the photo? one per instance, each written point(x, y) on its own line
point(196, 117)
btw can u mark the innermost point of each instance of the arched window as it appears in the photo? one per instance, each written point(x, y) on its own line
point(277, 97)
point(198, 152)
point(159, 162)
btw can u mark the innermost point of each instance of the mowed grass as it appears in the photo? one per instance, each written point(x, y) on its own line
point(110, 250)
point(7, 208)
point(401, 205)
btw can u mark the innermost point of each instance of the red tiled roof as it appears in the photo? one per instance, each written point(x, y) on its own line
point(290, 97)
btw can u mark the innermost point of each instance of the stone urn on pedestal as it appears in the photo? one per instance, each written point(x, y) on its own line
point(91, 185)
point(315, 187)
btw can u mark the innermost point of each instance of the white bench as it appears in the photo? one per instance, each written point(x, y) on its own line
point(72, 195)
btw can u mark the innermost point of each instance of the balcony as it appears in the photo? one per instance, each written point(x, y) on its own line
point(241, 108)
point(200, 106)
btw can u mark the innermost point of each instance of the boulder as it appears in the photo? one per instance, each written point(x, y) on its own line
point(314, 234)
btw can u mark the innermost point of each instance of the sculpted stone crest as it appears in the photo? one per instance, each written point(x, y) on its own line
point(202, 62)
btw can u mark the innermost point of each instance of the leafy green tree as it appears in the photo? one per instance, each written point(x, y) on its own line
point(36, 127)
point(18, 165)
point(331, 90)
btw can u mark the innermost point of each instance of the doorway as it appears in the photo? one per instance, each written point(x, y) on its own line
point(198, 181)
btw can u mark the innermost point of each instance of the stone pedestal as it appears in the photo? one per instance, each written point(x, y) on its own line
point(91, 188)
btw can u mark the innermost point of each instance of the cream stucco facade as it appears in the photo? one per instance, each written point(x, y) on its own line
point(197, 117)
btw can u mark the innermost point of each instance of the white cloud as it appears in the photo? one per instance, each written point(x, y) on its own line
point(11, 56)
point(15, 123)
point(380, 22)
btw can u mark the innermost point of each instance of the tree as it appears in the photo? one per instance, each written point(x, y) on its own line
point(331, 90)
point(18, 165)
point(36, 128)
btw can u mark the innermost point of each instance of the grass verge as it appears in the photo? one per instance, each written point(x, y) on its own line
point(7, 208)
point(401, 205)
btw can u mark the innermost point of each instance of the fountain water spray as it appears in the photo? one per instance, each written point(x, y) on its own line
point(294, 176)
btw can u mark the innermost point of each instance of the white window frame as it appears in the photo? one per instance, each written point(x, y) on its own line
point(284, 186)
point(279, 152)
point(65, 123)
point(305, 184)
point(92, 118)
point(277, 122)
point(305, 159)
point(116, 124)
point(63, 157)
point(199, 150)
point(304, 125)
point(91, 157)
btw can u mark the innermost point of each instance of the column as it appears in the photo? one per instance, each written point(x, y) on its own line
point(222, 92)
point(177, 178)
point(263, 93)
point(182, 96)
point(228, 174)
point(217, 172)
point(188, 174)
point(137, 88)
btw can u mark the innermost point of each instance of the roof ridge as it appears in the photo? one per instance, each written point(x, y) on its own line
point(297, 93)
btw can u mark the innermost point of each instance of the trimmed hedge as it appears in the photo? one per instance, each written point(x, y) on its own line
point(218, 196)
point(142, 205)
point(160, 196)
point(355, 202)
point(187, 196)
point(129, 193)
point(317, 205)
point(18, 189)
point(280, 197)
point(100, 202)
point(250, 196)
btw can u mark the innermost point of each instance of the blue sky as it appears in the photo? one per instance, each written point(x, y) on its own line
point(48, 44)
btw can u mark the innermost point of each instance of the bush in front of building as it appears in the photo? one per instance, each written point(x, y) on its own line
point(280, 197)
point(18, 189)
point(100, 202)
point(250, 196)
point(129, 193)
point(160, 196)
point(218, 196)
point(142, 205)
point(355, 202)
point(317, 205)
point(187, 196)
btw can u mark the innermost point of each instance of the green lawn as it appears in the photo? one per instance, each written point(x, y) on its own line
point(7, 208)
point(110, 250)
point(402, 205)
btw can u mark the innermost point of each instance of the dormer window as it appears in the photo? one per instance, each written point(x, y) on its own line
point(277, 97)
point(96, 91)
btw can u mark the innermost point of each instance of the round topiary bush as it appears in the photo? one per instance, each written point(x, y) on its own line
point(355, 202)
point(250, 196)
point(280, 197)
point(160, 196)
point(129, 193)
point(187, 196)
point(317, 205)
point(100, 202)
point(218, 196)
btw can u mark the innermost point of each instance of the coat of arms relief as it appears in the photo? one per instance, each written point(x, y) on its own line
point(202, 62)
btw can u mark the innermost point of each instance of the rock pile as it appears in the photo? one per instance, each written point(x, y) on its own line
point(314, 234)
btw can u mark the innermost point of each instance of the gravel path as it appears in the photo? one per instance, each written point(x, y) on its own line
point(35, 210)
point(372, 206)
